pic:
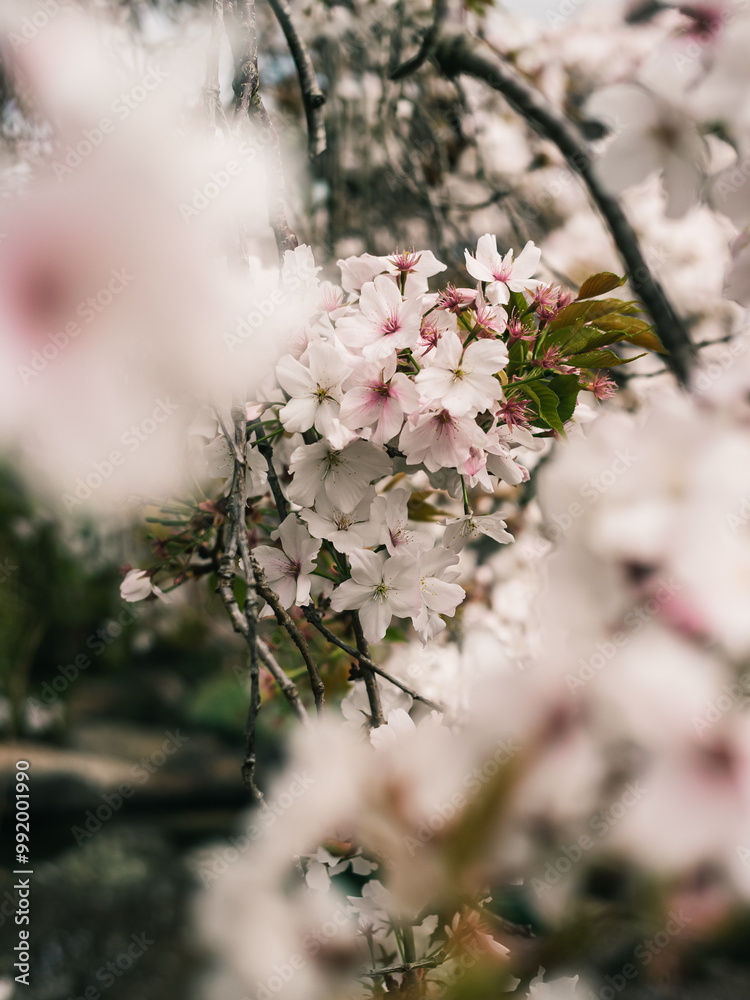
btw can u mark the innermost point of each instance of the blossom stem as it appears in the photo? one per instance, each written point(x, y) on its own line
point(467, 508)
point(312, 614)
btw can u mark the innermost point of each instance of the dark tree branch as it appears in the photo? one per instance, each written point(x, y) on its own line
point(287, 622)
point(239, 531)
point(212, 89)
point(273, 480)
point(313, 97)
point(244, 41)
point(371, 683)
point(289, 688)
point(429, 43)
point(313, 616)
point(456, 54)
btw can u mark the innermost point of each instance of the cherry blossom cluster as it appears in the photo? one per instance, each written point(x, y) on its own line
point(390, 380)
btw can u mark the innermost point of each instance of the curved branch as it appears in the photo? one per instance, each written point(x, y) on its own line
point(428, 46)
point(313, 616)
point(457, 54)
point(313, 97)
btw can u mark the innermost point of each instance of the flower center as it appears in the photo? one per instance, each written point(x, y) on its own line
point(391, 325)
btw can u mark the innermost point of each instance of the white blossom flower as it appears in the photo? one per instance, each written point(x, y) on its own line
point(137, 586)
point(462, 378)
point(343, 475)
point(503, 274)
point(460, 531)
point(378, 394)
point(656, 135)
point(288, 570)
point(380, 587)
point(315, 389)
point(346, 530)
point(441, 595)
point(357, 271)
point(390, 514)
point(438, 439)
point(385, 323)
point(417, 266)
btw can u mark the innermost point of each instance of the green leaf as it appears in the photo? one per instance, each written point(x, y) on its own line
point(547, 402)
point(566, 388)
point(597, 284)
point(591, 310)
point(420, 510)
point(647, 339)
point(601, 359)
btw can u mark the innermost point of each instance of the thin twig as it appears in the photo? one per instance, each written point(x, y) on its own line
point(313, 97)
point(287, 622)
point(313, 616)
point(456, 53)
point(429, 43)
point(273, 480)
point(239, 531)
point(212, 87)
point(289, 688)
point(249, 104)
point(371, 683)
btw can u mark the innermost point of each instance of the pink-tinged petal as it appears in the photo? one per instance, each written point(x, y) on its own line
point(302, 595)
point(441, 596)
point(299, 414)
point(356, 271)
point(293, 536)
point(375, 616)
point(367, 567)
point(427, 625)
point(486, 356)
point(273, 561)
point(487, 249)
point(286, 589)
point(390, 422)
point(434, 382)
point(498, 293)
point(404, 392)
point(479, 271)
point(327, 366)
point(318, 526)
point(361, 407)
point(293, 377)
point(350, 596)
point(527, 261)
point(388, 291)
point(462, 398)
point(330, 426)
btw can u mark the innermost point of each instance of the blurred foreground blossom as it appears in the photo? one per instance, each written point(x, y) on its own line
point(123, 301)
